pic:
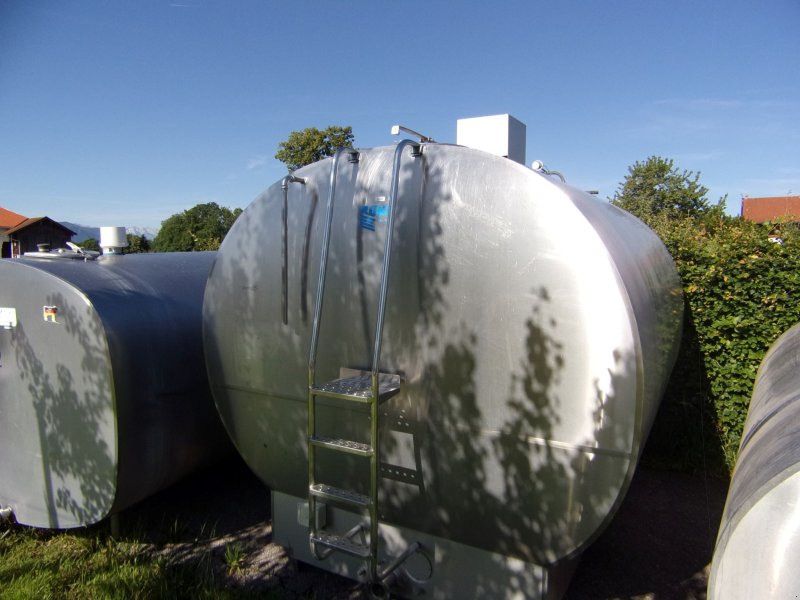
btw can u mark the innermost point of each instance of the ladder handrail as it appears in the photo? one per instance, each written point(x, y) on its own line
point(374, 459)
point(387, 253)
point(312, 351)
point(326, 238)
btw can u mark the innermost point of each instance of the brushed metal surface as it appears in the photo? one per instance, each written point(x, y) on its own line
point(107, 401)
point(758, 545)
point(533, 326)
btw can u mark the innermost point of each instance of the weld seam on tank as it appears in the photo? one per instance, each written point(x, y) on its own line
point(539, 441)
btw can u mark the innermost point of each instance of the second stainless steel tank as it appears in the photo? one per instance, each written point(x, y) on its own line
point(533, 328)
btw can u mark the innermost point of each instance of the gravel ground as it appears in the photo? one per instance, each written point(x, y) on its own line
point(658, 547)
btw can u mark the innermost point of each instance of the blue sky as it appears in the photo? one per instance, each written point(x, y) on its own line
point(124, 113)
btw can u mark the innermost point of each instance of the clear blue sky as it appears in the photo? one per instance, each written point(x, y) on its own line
point(124, 113)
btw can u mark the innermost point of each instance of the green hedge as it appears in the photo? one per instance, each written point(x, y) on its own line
point(741, 292)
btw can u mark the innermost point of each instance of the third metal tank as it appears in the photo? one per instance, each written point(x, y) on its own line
point(758, 546)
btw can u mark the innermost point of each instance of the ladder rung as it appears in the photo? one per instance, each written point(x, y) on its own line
point(359, 388)
point(338, 542)
point(328, 492)
point(341, 445)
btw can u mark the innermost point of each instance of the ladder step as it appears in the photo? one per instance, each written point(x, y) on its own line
point(359, 388)
point(341, 445)
point(328, 492)
point(340, 543)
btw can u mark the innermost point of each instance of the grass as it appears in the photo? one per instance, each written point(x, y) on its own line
point(171, 546)
point(234, 556)
point(89, 563)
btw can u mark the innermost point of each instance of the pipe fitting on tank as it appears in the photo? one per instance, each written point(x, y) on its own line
point(291, 179)
point(539, 167)
point(424, 139)
point(380, 590)
point(5, 513)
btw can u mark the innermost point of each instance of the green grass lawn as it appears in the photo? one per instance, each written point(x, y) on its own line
point(207, 536)
point(89, 563)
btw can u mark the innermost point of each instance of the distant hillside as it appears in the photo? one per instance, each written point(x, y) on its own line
point(84, 232)
point(81, 232)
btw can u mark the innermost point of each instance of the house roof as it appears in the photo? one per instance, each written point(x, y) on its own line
point(771, 208)
point(9, 218)
point(28, 222)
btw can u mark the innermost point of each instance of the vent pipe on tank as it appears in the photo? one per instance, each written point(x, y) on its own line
point(113, 240)
point(396, 129)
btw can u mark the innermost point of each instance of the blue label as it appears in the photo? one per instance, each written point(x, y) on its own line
point(371, 214)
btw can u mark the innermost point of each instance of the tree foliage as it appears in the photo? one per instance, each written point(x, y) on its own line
point(202, 227)
point(738, 287)
point(137, 244)
point(311, 144)
point(90, 244)
point(656, 189)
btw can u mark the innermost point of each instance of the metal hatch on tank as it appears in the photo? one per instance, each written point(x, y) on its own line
point(103, 393)
point(518, 346)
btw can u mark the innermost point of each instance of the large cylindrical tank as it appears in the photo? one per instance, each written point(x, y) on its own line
point(758, 546)
point(534, 328)
point(103, 394)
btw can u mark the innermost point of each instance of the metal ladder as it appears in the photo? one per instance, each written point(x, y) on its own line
point(371, 389)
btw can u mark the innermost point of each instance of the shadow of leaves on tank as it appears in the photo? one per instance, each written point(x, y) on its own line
point(495, 474)
point(73, 419)
point(116, 383)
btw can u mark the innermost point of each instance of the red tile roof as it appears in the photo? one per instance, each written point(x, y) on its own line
point(771, 209)
point(10, 219)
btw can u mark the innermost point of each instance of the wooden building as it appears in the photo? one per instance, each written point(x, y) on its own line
point(8, 220)
point(20, 234)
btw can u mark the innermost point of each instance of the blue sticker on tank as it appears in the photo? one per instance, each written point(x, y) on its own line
point(371, 214)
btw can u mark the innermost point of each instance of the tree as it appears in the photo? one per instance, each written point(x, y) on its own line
point(202, 227)
point(310, 145)
point(655, 189)
point(137, 244)
point(90, 244)
point(737, 290)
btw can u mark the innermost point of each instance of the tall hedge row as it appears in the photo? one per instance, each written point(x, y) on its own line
point(741, 292)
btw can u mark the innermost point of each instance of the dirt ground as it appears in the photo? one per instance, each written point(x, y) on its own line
point(658, 547)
